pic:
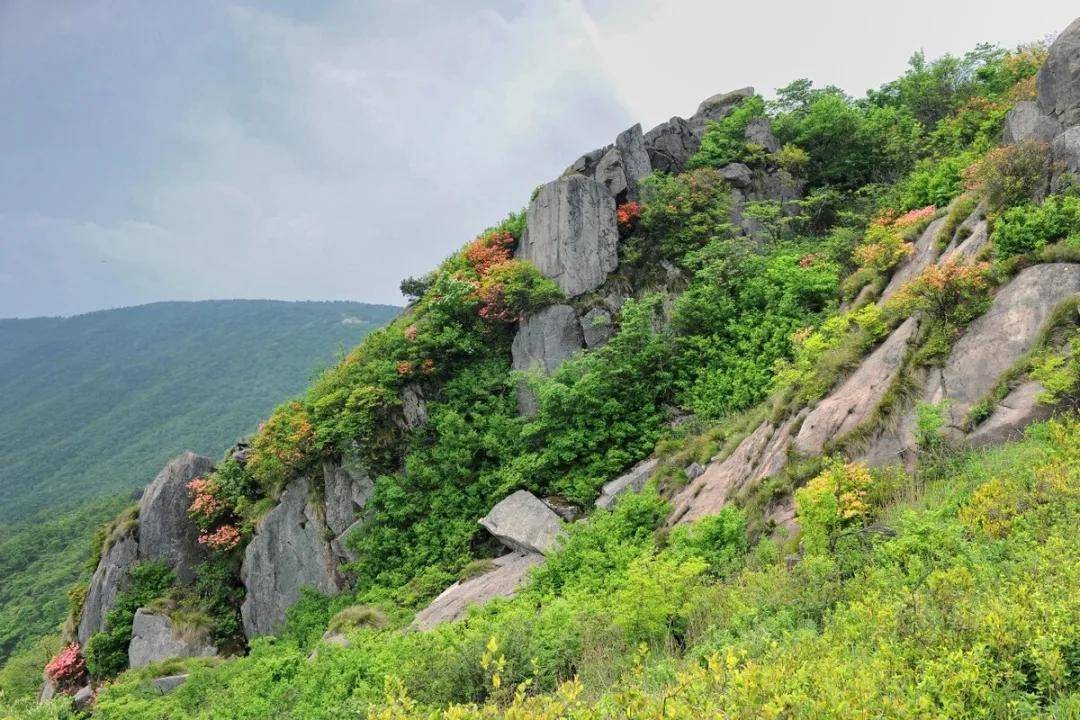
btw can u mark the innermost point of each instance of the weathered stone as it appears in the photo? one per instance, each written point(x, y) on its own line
point(413, 407)
point(340, 544)
point(738, 175)
point(289, 551)
point(336, 638)
point(1003, 334)
point(632, 481)
point(693, 471)
point(509, 573)
point(240, 452)
point(83, 698)
point(167, 684)
point(1065, 153)
point(166, 532)
point(110, 578)
point(48, 690)
point(1019, 409)
point(922, 254)
point(635, 159)
point(1059, 79)
point(851, 405)
point(763, 453)
point(719, 106)
point(759, 132)
point(1026, 122)
point(154, 638)
point(522, 522)
point(972, 245)
point(670, 145)
point(586, 164)
point(348, 489)
point(779, 186)
point(611, 174)
point(565, 509)
point(571, 235)
point(547, 338)
point(596, 327)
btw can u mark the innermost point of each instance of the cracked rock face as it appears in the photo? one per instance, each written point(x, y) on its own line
point(571, 235)
point(1020, 408)
point(503, 580)
point(348, 489)
point(110, 577)
point(1027, 122)
point(1059, 79)
point(289, 551)
point(165, 530)
point(522, 522)
point(154, 638)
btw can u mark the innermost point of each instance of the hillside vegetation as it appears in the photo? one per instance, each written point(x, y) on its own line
point(942, 583)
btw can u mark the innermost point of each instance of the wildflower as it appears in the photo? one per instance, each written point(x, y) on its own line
point(411, 333)
point(68, 669)
point(224, 538)
point(404, 367)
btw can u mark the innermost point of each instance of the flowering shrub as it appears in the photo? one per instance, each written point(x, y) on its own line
point(224, 538)
point(513, 289)
point(411, 332)
point(490, 249)
point(949, 292)
point(67, 671)
point(1011, 174)
point(627, 215)
point(207, 503)
point(404, 367)
point(887, 240)
point(285, 442)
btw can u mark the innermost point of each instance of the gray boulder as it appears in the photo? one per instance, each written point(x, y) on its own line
point(1065, 153)
point(413, 406)
point(596, 327)
point(610, 173)
point(670, 145)
point(154, 638)
point(110, 578)
point(586, 164)
point(850, 405)
point(547, 338)
point(923, 253)
point(83, 698)
point(995, 341)
point(759, 132)
point(719, 106)
point(971, 246)
point(1020, 408)
point(348, 489)
point(167, 684)
point(738, 174)
point(571, 235)
point(522, 522)
point(165, 531)
point(1059, 79)
point(1026, 122)
point(635, 159)
point(289, 551)
point(503, 580)
point(632, 481)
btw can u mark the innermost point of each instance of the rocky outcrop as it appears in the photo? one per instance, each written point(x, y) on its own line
point(738, 175)
point(970, 247)
point(289, 551)
point(547, 338)
point(632, 481)
point(635, 159)
point(852, 404)
point(503, 580)
point(1026, 122)
point(995, 341)
point(570, 234)
point(1020, 408)
point(923, 253)
point(348, 487)
point(166, 532)
point(671, 145)
point(759, 132)
point(110, 578)
point(596, 327)
point(718, 107)
point(1059, 79)
point(154, 638)
point(1065, 153)
point(762, 454)
point(413, 406)
point(522, 522)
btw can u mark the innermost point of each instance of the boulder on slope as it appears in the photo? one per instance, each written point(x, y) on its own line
point(166, 532)
point(1020, 408)
point(289, 551)
point(632, 481)
point(522, 522)
point(1027, 122)
point(154, 638)
point(110, 578)
point(509, 572)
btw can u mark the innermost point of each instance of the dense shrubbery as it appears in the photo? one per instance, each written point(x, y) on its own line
point(725, 141)
point(1027, 228)
point(107, 651)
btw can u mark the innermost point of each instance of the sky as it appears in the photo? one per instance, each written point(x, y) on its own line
point(155, 150)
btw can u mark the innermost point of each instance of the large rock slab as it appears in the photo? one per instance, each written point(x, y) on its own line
point(289, 552)
point(522, 522)
point(611, 174)
point(110, 578)
point(503, 581)
point(547, 338)
point(167, 684)
point(922, 254)
point(1059, 79)
point(995, 341)
point(632, 481)
point(762, 454)
point(718, 107)
point(1020, 408)
point(166, 532)
point(852, 404)
point(759, 132)
point(972, 245)
point(571, 235)
point(670, 145)
point(154, 638)
point(348, 489)
point(1026, 122)
point(635, 159)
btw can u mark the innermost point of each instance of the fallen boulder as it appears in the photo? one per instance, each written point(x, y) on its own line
point(154, 638)
point(503, 580)
point(522, 522)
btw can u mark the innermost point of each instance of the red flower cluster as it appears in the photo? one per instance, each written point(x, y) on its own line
point(807, 260)
point(205, 504)
point(427, 367)
point(411, 332)
point(225, 537)
point(404, 367)
point(627, 214)
point(67, 671)
point(489, 250)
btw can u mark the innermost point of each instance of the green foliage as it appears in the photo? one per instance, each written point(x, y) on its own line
point(1011, 175)
point(107, 651)
point(719, 540)
point(934, 181)
point(1059, 373)
point(930, 418)
point(725, 141)
point(1027, 228)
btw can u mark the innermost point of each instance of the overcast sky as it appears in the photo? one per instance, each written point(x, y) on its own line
point(161, 150)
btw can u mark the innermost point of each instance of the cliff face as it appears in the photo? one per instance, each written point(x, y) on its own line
point(572, 236)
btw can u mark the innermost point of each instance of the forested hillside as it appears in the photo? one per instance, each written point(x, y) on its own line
point(765, 412)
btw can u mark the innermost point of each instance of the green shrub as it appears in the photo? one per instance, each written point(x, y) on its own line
point(1027, 228)
point(107, 651)
point(356, 616)
point(725, 141)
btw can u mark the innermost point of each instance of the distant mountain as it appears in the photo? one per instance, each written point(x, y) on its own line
point(95, 404)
